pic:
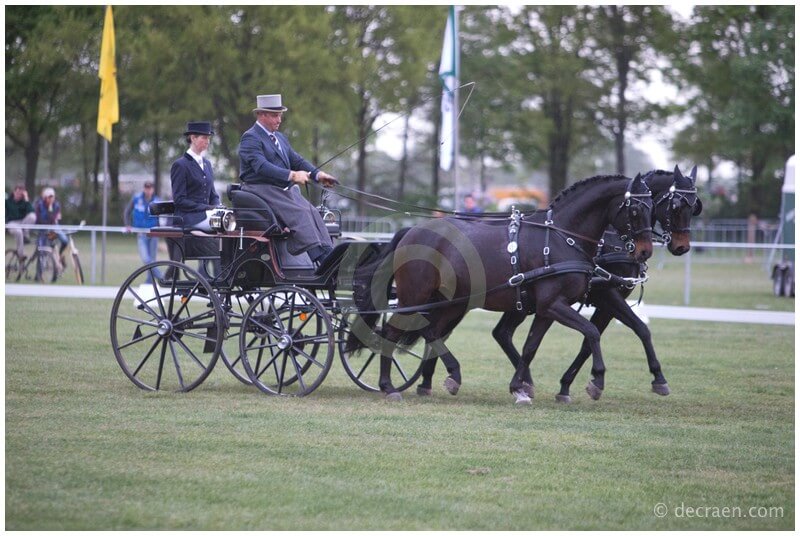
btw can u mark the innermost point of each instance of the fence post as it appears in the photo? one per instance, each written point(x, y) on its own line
point(687, 277)
point(94, 255)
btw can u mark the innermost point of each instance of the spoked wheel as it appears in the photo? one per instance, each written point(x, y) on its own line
point(13, 265)
point(235, 305)
point(166, 334)
point(363, 366)
point(286, 342)
point(46, 270)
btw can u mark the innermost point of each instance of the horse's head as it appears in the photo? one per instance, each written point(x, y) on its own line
point(633, 219)
point(674, 210)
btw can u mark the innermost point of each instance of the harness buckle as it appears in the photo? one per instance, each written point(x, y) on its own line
point(516, 280)
point(602, 273)
point(546, 250)
point(513, 260)
point(570, 241)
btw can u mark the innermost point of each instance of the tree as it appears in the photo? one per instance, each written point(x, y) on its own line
point(624, 36)
point(557, 93)
point(741, 60)
point(44, 45)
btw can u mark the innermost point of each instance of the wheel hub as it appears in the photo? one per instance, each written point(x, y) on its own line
point(285, 341)
point(164, 328)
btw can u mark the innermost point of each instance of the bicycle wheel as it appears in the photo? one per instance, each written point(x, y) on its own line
point(166, 334)
point(13, 265)
point(46, 271)
point(76, 263)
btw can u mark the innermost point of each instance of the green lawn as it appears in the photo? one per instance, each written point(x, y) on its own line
point(86, 450)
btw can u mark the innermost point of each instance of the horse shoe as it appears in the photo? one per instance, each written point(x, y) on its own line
point(394, 397)
point(451, 385)
point(522, 398)
point(594, 391)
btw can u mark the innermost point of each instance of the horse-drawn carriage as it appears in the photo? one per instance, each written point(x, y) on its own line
point(274, 319)
point(277, 320)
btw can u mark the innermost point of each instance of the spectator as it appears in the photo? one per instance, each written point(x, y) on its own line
point(470, 206)
point(137, 214)
point(48, 212)
point(19, 211)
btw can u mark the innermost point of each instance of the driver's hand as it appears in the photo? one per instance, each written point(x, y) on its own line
point(326, 179)
point(299, 177)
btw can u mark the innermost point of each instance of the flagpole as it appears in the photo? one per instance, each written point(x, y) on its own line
point(105, 212)
point(456, 63)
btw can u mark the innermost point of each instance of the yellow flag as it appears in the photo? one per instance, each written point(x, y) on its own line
point(108, 109)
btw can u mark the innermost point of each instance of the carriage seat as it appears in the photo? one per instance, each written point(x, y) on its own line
point(164, 209)
point(252, 212)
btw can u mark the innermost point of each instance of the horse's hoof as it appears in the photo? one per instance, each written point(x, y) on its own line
point(424, 391)
point(661, 389)
point(394, 397)
point(451, 385)
point(521, 397)
point(594, 391)
point(564, 399)
point(529, 388)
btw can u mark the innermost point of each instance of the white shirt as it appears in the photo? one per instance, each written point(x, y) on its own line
point(197, 158)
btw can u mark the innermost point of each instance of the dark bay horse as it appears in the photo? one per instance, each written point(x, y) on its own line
point(447, 266)
point(675, 202)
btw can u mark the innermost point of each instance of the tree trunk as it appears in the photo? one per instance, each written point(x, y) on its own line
point(401, 180)
point(32, 160)
point(157, 161)
point(435, 160)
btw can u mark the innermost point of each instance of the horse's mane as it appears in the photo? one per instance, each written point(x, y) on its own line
point(599, 178)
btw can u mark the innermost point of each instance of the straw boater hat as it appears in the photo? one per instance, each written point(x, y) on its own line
point(199, 127)
point(269, 103)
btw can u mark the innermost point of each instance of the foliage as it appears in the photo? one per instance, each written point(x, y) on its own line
point(550, 90)
point(741, 58)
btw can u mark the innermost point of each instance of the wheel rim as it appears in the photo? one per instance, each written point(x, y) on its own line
point(46, 267)
point(12, 265)
point(363, 366)
point(286, 342)
point(166, 336)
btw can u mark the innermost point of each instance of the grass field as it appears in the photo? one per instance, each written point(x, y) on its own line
point(86, 450)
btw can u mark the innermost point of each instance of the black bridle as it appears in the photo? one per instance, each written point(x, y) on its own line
point(643, 201)
point(675, 197)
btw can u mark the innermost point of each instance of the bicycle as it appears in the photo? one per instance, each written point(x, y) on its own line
point(48, 267)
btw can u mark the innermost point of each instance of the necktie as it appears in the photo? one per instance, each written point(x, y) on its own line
point(277, 145)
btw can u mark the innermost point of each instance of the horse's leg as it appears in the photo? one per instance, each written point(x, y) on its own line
point(561, 311)
point(518, 385)
point(390, 336)
point(503, 333)
point(601, 318)
point(425, 388)
point(623, 312)
point(439, 350)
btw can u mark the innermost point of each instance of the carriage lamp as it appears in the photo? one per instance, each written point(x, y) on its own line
point(222, 219)
point(329, 217)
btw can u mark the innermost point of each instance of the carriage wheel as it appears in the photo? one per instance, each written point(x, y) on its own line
point(235, 305)
point(287, 342)
point(363, 366)
point(166, 334)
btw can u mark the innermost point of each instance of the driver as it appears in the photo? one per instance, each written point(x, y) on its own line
point(271, 169)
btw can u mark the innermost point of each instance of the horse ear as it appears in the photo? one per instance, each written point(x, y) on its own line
point(693, 174)
point(677, 172)
point(698, 207)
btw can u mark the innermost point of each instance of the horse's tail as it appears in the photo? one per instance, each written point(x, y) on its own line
point(377, 271)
